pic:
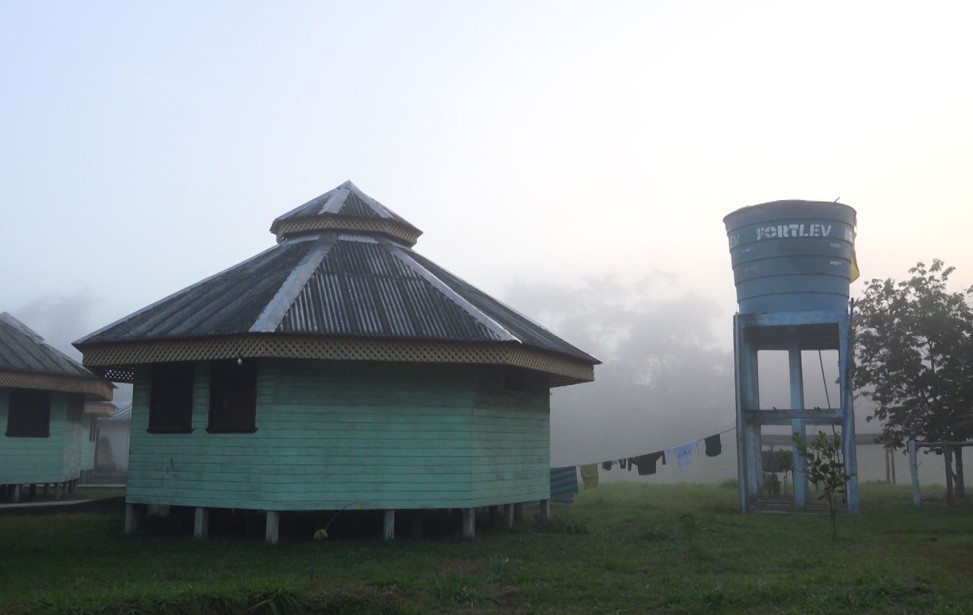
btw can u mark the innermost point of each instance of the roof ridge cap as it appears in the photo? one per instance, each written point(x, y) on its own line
point(277, 308)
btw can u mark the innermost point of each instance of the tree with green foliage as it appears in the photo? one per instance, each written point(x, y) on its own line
point(914, 355)
point(825, 469)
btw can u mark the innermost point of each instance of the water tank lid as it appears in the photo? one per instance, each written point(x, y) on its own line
point(796, 209)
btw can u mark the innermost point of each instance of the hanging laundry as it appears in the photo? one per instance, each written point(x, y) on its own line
point(713, 445)
point(564, 484)
point(589, 475)
point(623, 463)
point(606, 465)
point(646, 463)
point(684, 453)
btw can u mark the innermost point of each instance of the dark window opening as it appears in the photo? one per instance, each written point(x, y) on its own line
point(233, 397)
point(171, 398)
point(75, 408)
point(29, 414)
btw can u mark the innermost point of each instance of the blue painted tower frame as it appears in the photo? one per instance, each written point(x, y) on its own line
point(793, 332)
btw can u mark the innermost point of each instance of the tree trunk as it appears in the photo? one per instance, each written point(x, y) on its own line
point(960, 486)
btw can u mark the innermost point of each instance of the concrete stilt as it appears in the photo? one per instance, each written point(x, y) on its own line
point(132, 514)
point(272, 534)
point(388, 526)
point(469, 522)
point(508, 516)
point(796, 371)
point(201, 523)
point(545, 509)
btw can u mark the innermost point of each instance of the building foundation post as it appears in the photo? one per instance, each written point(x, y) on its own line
point(201, 523)
point(272, 534)
point(469, 522)
point(388, 525)
point(132, 514)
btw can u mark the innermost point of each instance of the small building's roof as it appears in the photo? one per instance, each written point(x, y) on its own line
point(342, 283)
point(100, 408)
point(28, 362)
point(122, 415)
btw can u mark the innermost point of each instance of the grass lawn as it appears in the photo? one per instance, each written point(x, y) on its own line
point(621, 548)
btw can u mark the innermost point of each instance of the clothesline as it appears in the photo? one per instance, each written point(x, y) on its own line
point(666, 448)
point(564, 479)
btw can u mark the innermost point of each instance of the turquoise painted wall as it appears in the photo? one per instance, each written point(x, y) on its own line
point(54, 459)
point(374, 436)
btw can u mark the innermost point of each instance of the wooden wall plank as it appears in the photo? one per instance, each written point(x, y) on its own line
point(54, 459)
point(332, 435)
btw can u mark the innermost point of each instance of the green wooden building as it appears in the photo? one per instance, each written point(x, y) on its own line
point(338, 369)
point(42, 397)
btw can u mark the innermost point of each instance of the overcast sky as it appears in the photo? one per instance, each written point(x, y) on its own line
point(145, 146)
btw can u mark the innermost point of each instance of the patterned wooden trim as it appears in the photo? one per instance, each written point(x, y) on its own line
point(115, 361)
point(343, 223)
point(95, 388)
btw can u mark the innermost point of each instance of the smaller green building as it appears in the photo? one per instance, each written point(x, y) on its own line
point(42, 397)
point(338, 369)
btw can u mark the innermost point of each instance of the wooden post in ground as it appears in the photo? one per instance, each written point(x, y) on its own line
point(508, 516)
point(272, 534)
point(914, 471)
point(132, 513)
point(201, 523)
point(388, 526)
point(958, 474)
point(469, 522)
point(948, 460)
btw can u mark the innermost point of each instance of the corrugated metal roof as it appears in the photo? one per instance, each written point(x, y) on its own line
point(22, 350)
point(124, 414)
point(100, 408)
point(346, 201)
point(336, 283)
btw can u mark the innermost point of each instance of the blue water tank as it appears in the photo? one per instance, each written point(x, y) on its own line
point(792, 256)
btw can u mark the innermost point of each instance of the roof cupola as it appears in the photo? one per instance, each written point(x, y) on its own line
point(345, 208)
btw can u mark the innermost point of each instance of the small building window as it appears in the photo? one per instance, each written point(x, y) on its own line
point(233, 397)
point(171, 398)
point(29, 414)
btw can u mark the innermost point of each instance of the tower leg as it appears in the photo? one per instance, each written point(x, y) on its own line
point(797, 426)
